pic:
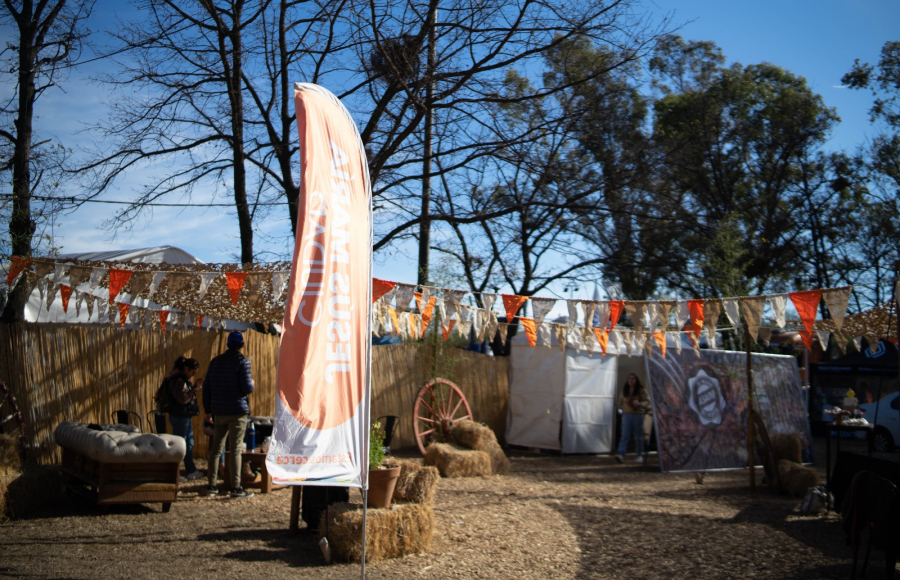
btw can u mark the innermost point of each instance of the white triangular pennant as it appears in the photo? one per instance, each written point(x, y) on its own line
point(733, 311)
point(778, 303)
point(206, 279)
point(540, 307)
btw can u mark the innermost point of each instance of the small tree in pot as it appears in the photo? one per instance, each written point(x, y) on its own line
point(382, 479)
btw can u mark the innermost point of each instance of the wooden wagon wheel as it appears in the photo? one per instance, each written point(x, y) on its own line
point(438, 405)
point(11, 419)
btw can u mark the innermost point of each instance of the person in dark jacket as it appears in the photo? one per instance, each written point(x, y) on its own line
point(184, 406)
point(228, 382)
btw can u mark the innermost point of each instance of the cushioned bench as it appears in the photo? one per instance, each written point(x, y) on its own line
point(116, 464)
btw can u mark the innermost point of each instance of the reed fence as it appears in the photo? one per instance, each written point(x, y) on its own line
point(60, 372)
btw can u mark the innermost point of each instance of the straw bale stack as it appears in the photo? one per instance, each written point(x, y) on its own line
point(786, 446)
point(479, 437)
point(454, 462)
point(9, 453)
point(417, 482)
point(796, 479)
point(390, 533)
point(24, 487)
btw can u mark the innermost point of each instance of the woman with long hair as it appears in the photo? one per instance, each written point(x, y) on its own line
point(634, 402)
point(184, 396)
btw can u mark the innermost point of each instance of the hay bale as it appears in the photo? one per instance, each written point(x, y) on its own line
point(7, 476)
point(9, 453)
point(416, 483)
point(454, 462)
point(480, 438)
point(390, 533)
point(34, 487)
point(796, 479)
point(786, 446)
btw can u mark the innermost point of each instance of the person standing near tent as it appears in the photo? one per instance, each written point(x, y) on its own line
point(228, 382)
point(634, 402)
point(182, 407)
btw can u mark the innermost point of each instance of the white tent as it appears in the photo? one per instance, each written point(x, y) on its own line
point(563, 401)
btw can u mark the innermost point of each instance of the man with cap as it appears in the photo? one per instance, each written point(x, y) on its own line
point(227, 385)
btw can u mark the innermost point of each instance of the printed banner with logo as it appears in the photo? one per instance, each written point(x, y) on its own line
point(700, 405)
point(321, 433)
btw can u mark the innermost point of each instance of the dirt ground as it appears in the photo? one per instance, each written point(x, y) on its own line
point(552, 517)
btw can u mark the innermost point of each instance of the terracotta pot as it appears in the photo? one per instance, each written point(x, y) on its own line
point(381, 486)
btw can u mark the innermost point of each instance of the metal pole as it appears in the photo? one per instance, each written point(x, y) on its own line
point(365, 496)
point(751, 436)
point(425, 224)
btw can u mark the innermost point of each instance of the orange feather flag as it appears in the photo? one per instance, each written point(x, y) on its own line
point(123, 313)
point(117, 280)
point(806, 303)
point(602, 338)
point(512, 303)
point(615, 311)
point(235, 281)
point(380, 288)
point(660, 338)
point(530, 330)
point(65, 292)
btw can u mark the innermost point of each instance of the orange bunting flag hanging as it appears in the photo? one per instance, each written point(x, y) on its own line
point(418, 296)
point(65, 292)
point(806, 303)
point(235, 282)
point(695, 320)
point(807, 335)
point(163, 316)
point(660, 338)
point(395, 322)
point(448, 329)
point(602, 338)
point(123, 313)
point(200, 318)
point(18, 264)
point(380, 288)
point(530, 328)
point(615, 311)
point(117, 280)
point(512, 303)
point(428, 313)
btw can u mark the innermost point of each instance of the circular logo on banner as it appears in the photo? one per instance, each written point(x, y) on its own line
point(706, 399)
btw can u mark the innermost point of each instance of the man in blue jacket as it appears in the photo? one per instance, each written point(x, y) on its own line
point(228, 382)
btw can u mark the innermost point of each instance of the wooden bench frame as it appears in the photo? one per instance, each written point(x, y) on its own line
point(120, 483)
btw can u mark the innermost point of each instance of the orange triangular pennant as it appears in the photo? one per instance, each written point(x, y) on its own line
point(418, 296)
point(530, 328)
point(512, 303)
point(64, 293)
point(807, 338)
point(427, 313)
point(660, 338)
point(806, 303)
point(395, 322)
point(200, 318)
point(695, 320)
point(602, 338)
point(163, 316)
point(380, 288)
point(448, 329)
point(123, 313)
point(615, 311)
point(18, 264)
point(235, 282)
point(117, 280)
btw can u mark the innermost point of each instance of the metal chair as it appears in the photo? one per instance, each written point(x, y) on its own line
point(388, 423)
point(123, 417)
point(157, 422)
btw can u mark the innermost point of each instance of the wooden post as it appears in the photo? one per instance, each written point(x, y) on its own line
point(751, 438)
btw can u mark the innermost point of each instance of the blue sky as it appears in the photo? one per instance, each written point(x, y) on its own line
point(817, 40)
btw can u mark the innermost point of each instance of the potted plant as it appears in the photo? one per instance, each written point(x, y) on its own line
point(382, 478)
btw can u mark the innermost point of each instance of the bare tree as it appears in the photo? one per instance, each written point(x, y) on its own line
point(48, 38)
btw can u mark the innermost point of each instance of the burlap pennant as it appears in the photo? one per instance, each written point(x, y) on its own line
point(836, 300)
point(653, 317)
point(733, 312)
point(503, 329)
point(452, 299)
point(117, 280)
point(637, 312)
point(254, 285)
point(463, 328)
point(778, 303)
point(175, 282)
point(95, 279)
point(823, 336)
point(511, 304)
point(588, 340)
point(540, 307)
point(711, 311)
point(78, 275)
point(235, 283)
point(463, 313)
point(492, 325)
point(560, 330)
point(617, 338)
point(660, 339)
point(477, 326)
point(682, 314)
point(807, 304)
point(695, 341)
point(41, 269)
point(752, 309)
point(140, 280)
point(588, 307)
point(572, 306)
point(206, 279)
point(403, 295)
point(841, 341)
point(678, 344)
point(59, 274)
point(765, 335)
point(379, 288)
point(665, 311)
